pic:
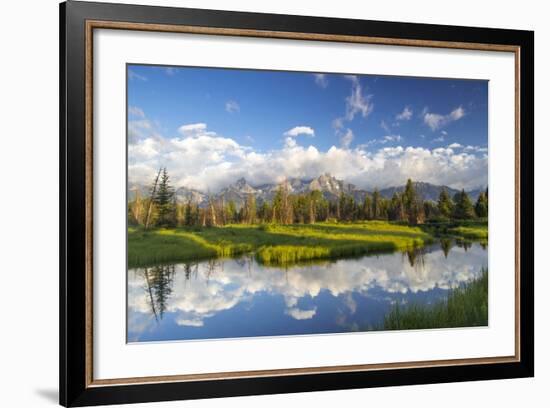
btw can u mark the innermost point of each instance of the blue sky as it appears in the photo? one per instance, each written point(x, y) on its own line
point(268, 125)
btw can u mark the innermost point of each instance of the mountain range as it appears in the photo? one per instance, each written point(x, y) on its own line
point(330, 187)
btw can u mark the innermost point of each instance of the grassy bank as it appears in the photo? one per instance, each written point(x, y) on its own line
point(478, 232)
point(466, 306)
point(474, 230)
point(272, 244)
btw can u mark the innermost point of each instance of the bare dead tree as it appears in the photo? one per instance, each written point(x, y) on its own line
point(153, 192)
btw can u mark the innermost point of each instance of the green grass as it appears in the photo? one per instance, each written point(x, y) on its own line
point(478, 232)
point(470, 230)
point(272, 244)
point(466, 306)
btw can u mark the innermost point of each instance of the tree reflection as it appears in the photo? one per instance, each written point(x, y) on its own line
point(416, 257)
point(464, 244)
point(158, 282)
point(446, 245)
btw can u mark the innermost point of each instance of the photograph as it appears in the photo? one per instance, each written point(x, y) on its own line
point(280, 203)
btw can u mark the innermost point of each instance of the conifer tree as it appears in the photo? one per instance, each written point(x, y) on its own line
point(444, 204)
point(163, 200)
point(375, 204)
point(482, 206)
point(463, 206)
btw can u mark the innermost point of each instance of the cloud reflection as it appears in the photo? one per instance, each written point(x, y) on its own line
point(202, 290)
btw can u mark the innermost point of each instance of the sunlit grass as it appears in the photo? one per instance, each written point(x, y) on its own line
point(475, 232)
point(465, 306)
point(272, 244)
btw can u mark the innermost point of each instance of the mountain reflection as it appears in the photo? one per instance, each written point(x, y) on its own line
point(191, 295)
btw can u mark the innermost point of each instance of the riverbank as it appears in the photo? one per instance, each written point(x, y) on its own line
point(469, 230)
point(272, 244)
point(465, 306)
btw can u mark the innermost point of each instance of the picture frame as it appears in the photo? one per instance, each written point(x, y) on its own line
point(78, 20)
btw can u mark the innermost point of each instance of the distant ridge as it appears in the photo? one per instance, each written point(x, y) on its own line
point(330, 186)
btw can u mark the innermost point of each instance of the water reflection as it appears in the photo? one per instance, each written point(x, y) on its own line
point(239, 297)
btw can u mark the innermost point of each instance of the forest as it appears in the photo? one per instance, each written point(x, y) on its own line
point(161, 209)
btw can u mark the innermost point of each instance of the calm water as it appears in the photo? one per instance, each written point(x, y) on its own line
point(240, 298)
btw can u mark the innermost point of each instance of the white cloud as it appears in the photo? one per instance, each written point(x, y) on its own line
point(321, 80)
point(137, 112)
point(391, 138)
point(190, 322)
point(299, 314)
point(457, 113)
point(338, 123)
point(385, 126)
point(405, 115)
point(171, 71)
point(477, 149)
point(444, 133)
point(347, 138)
point(290, 142)
point(232, 107)
point(300, 130)
point(192, 129)
point(132, 75)
point(356, 102)
point(436, 121)
point(207, 161)
point(454, 146)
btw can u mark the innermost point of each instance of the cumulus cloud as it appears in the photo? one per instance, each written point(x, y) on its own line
point(436, 121)
point(321, 80)
point(300, 130)
point(192, 129)
point(405, 115)
point(205, 160)
point(454, 146)
point(232, 107)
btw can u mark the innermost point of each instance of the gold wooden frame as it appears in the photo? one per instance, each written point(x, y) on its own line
point(98, 24)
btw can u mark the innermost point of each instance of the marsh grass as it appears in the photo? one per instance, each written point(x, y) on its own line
point(272, 244)
point(465, 306)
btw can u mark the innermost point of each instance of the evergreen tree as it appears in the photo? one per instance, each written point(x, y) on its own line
point(444, 204)
point(230, 212)
point(342, 207)
point(250, 209)
point(482, 206)
point(163, 200)
point(395, 209)
point(188, 214)
point(414, 210)
point(430, 209)
point(375, 204)
point(463, 206)
point(367, 208)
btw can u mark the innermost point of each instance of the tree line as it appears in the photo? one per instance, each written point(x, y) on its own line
point(161, 209)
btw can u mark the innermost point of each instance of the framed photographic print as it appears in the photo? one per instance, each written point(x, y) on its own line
point(255, 203)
